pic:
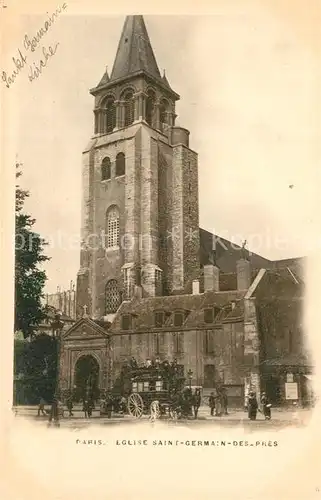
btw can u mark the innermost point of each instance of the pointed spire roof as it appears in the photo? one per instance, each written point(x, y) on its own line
point(134, 55)
point(134, 51)
point(165, 79)
point(105, 78)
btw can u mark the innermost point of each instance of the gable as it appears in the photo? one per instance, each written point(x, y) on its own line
point(85, 328)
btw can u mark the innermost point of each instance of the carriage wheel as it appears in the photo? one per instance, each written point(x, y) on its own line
point(135, 405)
point(154, 410)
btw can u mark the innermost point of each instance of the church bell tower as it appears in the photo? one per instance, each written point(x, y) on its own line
point(139, 224)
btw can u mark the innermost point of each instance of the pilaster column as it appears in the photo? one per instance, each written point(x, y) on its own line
point(157, 116)
point(103, 121)
point(136, 106)
point(118, 115)
point(140, 106)
point(121, 114)
point(143, 106)
point(170, 118)
point(96, 113)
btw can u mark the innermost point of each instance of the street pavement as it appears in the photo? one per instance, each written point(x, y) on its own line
point(280, 418)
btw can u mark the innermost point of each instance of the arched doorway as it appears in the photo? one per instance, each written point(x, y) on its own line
point(86, 380)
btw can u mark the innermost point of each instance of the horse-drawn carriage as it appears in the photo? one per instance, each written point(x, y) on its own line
point(156, 390)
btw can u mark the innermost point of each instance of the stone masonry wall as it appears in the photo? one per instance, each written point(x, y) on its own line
point(251, 344)
point(84, 275)
point(189, 348)
point(190, 218)
point(107, 263)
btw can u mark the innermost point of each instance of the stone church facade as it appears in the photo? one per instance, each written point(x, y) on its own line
point(149, 284)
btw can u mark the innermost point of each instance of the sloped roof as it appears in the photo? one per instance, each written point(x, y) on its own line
point(227, 253)
point(52, 311)
point(134, 51)
point(88, 322)
point(105, 79)
point(288, 360)
point(134, 56)
point(143, 309)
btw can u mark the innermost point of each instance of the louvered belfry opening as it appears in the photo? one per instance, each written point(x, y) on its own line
point(112, 297)
point(129, 105)
point(110, 118)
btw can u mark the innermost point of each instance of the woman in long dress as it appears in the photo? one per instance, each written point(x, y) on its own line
point(252, 406)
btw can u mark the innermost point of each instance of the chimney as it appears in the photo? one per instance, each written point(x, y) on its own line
point(211, 278)
point(243, 274)
point(195, 287)
point(138, 292)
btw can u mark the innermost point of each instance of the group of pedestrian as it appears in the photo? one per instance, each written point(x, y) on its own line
point(186, 403)
point(218, 403)
point(253, 406)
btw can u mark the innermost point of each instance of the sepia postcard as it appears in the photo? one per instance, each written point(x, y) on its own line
point(161, 250)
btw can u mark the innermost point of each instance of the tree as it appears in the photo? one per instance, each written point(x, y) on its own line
point(29, 278)
point(35, 369)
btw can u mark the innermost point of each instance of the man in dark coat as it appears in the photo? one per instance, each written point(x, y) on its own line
point(54, 412)
point(41, 407)
point(109, 405)
point(196, 401)
point(70, 405)
point(266, 406)
point(224, 401)
point(211, 403)
point(91, 407)
point(85, 408)
point(252, 406)
point(133, 363)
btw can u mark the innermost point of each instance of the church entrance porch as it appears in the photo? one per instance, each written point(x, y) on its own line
point(85, 361)
point(86, 378)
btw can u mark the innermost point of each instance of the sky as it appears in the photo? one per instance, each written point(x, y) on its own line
point(249, 80)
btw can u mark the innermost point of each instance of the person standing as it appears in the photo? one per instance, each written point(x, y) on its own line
point(252, 406)
point(70, 406)
point(90, 407)
point(54, 412)
point(196, 401)
point(211, 402)
point(218, 403)
point(109, 405)
point(266, 406)
point(224, 401)
point(85, 408)
point(41, 407)
point(133, 363)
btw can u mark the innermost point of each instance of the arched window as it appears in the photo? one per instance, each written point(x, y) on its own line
point(105, 169)
point(163, 113)
point(150, 107)
point(129, 108)
point(112, 227)
point(112, 297)
point(110, 115)
point(120, 164)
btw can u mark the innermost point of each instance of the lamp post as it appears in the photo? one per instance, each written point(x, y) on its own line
point(190, 375)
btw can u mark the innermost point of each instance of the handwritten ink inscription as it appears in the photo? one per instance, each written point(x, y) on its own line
point(31, 44)
point(36, 70)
